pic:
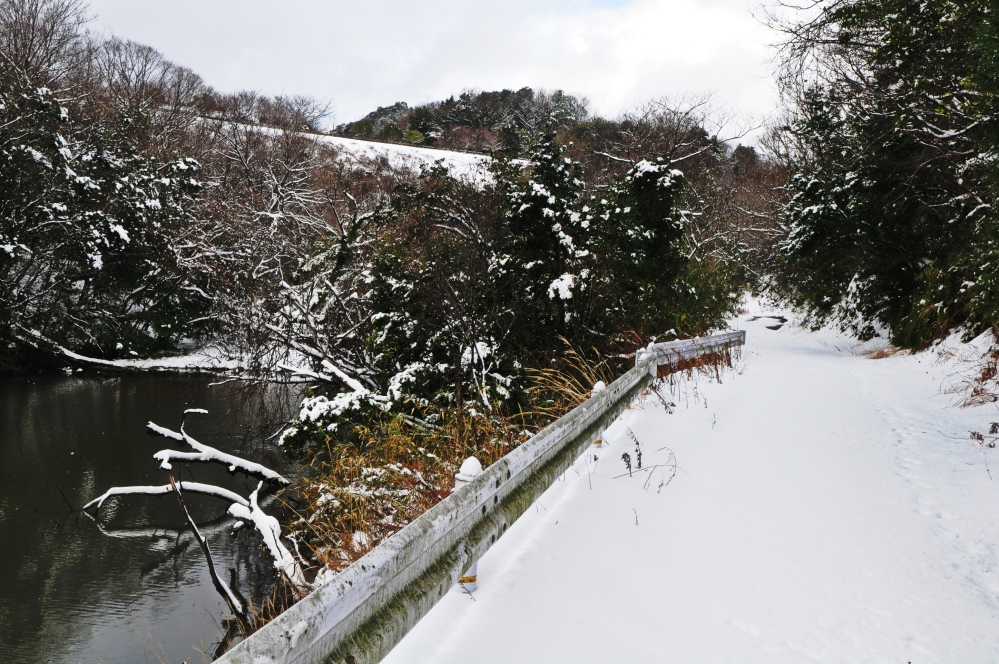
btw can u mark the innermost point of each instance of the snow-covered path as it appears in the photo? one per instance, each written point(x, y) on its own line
point(828, 508)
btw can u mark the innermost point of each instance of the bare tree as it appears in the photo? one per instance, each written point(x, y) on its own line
point(43, 38)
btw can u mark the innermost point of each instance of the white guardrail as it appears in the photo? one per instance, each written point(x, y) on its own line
point(365, 610)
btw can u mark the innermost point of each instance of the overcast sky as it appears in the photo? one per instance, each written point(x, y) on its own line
point(360, 54)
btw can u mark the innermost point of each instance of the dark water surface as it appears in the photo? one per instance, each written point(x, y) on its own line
point(132, 586)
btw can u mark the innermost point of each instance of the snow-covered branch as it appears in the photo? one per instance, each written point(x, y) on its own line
point(270, 530)
point(207, 454)
point(193, 487)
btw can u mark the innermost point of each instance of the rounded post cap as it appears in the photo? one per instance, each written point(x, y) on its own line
point(470, 469)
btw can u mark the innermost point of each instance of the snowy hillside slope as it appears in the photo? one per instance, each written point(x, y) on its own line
point(828, 507)
point(410, 156)
point(401, 156)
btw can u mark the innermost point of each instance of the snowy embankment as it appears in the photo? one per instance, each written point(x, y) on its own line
point(828, 507)
point(472, 165)
point(411, 156)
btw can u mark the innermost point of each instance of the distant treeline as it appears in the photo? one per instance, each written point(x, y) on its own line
point(500, 121)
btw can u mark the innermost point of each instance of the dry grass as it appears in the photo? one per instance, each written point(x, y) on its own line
point(884, 352)
point(978, 386)
point(557, 390)
point(714, 364)
point(356, 495)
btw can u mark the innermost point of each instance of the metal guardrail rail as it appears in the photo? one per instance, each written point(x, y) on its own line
point(687, 349)
point(364, 611)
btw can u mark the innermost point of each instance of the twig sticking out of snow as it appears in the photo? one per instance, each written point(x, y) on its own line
point(193, 487)
point(638, 447)
point(670, 466)
point(220, 585)
point(270, 530)
point(206, 453)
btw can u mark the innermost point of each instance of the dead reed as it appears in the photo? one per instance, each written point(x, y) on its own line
point(354, 496)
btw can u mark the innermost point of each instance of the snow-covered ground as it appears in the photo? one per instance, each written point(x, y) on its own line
point(472, 165)
point(411, 156)
point(828, 507)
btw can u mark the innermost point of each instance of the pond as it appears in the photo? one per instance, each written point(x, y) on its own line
point(132, 585)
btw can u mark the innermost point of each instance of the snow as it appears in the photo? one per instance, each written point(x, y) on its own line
point(192, 487)
point(471, 165)
point(411, 156)
point(209, 358)
point(827, 507)
point(562, 287)
point(206, 453)
point(470, 469)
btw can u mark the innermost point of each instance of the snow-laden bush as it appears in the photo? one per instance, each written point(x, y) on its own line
point(88, 224)
point(468, 286)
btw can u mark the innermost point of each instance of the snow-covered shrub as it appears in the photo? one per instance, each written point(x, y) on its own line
point(466, 286)
point(891, 218)
point(88, 225)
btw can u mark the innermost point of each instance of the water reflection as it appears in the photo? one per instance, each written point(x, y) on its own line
point(72, 593)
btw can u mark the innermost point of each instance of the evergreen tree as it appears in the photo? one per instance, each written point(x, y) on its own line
point(442, 325)
point(87, 224)
point(888, 210)
point(983, 292)
point(636, 229)
point(547, 251)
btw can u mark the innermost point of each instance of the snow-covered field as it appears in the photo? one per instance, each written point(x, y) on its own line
point(828, 507)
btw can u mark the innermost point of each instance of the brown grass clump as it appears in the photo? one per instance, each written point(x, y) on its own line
point(557, 390)
point(715, 363)
point(355, 495)
point(884, 352)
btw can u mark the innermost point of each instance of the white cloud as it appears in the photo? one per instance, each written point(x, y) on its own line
point(362, 54)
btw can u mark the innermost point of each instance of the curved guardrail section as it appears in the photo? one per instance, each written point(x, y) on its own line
point(364, 611)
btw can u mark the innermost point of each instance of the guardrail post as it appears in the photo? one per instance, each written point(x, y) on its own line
point(470, 469)
point(642, 353)
point(598, 442)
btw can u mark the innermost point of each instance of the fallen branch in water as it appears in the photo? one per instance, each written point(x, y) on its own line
point(245, 510)
point(193, 487)
point(234, 603)
point(206, 453)
point(270, 530)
